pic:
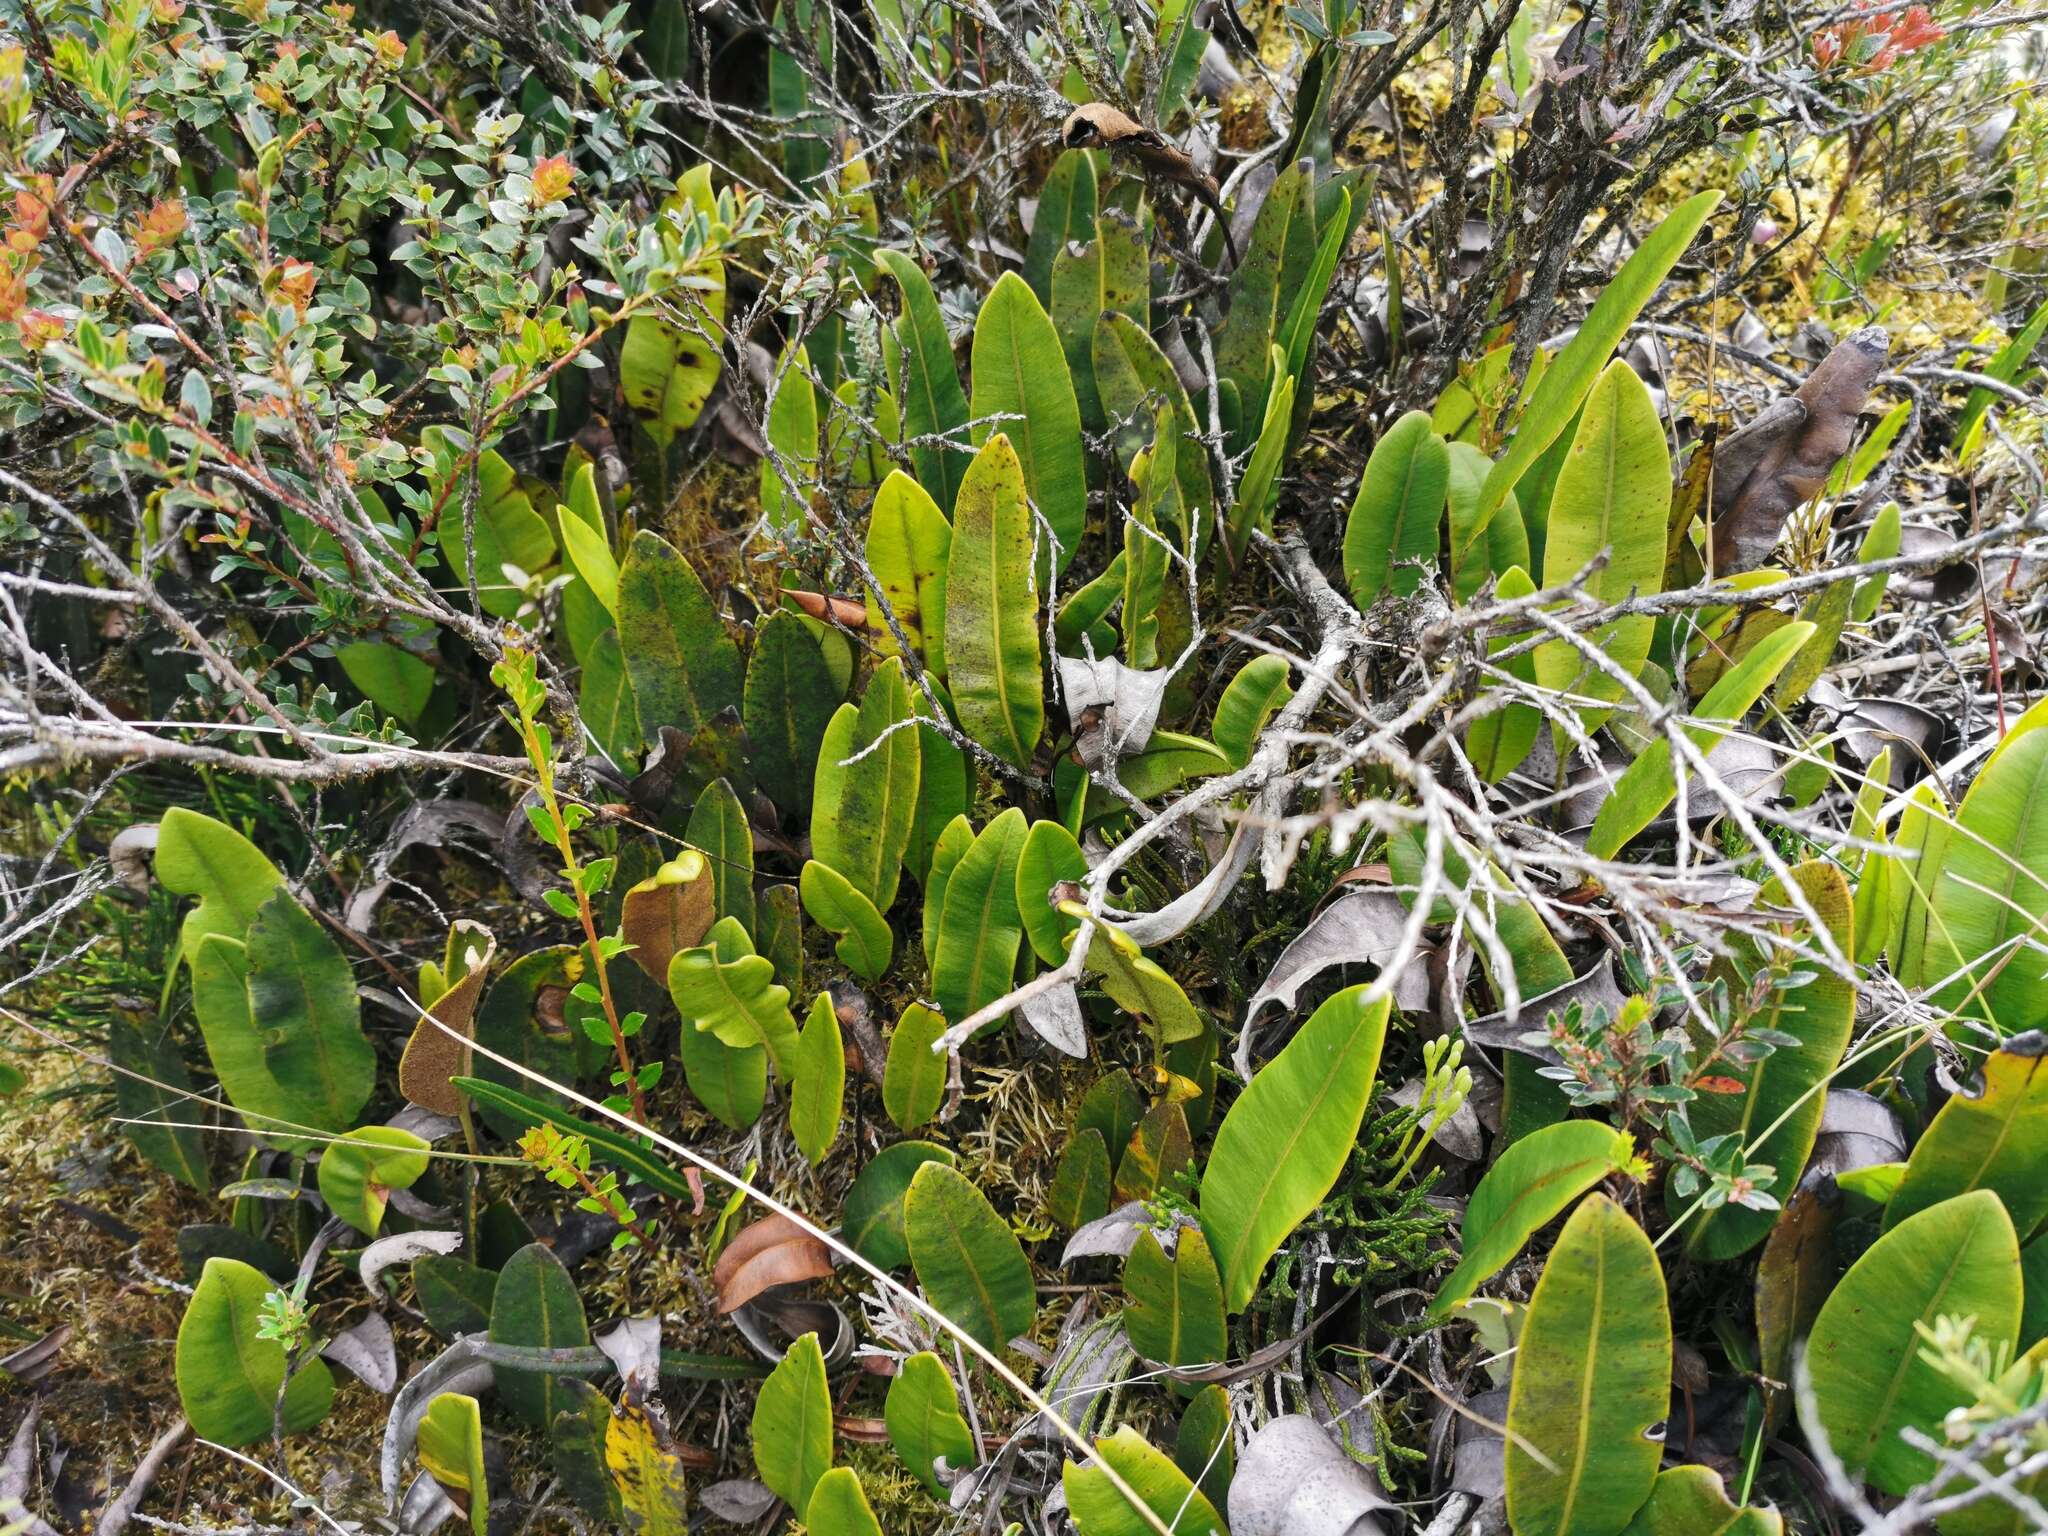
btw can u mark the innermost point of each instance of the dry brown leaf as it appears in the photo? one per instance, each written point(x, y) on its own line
point(773, 1251)
point(433, 1055)
point(1781, 459)
point(829, 608)
point(668, 912)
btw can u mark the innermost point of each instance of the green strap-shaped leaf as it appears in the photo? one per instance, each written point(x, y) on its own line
point(992, 645)
point(1099, 1509)
point(1525, 1188)
point(1504, 545)
point(1570, 375)
point(227, 1376)
point(358, 1172)
point(719, 830)
point(793, 436)
point(1049, 858)
point(730, 1081)
point(454, 1293)
point(908, 542)
point(836, 905)
point(1175, 1316)
point(1019, 371)
point(150, 1088)
point(1592, 1376)
point(451, 1449)
point(1288, 1136)
point(604, 698)
point(942, 790)
point(1134, 378)
point(302, 1002)
point(1295, 340)
point(666, 372)
point(504, 528)
point(948, 848)
point(866, 796)
point(509, 1023)
point(818, 1095)
point(804, 137)
point(1919, 845)
point(1203, 1447)
point(781, 934)
point(1398, 511)
point(389, 676)
point(535, 1305)
point(1650, 782)
point(792, 1424)
point(1066, 212)
point(606, 1144)
point(1277, 259)
point(872, 1218)
point(1110, 272)
point(1785, 1093)
point(1497, 743)
point(736, 998)
point(1994, 1138)
point(933, 403)
point(967, 1258)
point(583, 541)
point(198, 856)
point(1988, 893)
point(1870, 1380)
point(980, 929)
point(1259, 489)
point(1137, 984)
point(1690, 1501)
point(1613, 496)
point(576, 1447)
point(922, 1412)
point(914, 1082)
point(1150, 535)
point(684, 667)
point(789, 702)
point(1079, 1192)
point(840, 1504)
point(1249, 700)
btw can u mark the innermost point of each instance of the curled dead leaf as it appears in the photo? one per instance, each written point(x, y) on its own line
point(771, 1252)
point(1782, 458)
point(439, 1047)
point(831, 608)
point(668, 912)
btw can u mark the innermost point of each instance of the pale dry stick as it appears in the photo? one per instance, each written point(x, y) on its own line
point(1656, 604)
point(1980, 1485)
point(117, 570)
point(1343, 633)
point(297, 1493)
point(769, 1202)
point(114, 1519)
point(1686, 753)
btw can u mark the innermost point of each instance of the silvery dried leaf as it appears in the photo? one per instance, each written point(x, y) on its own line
point(1111, 1236)
point(1128, 699)
point(1056, 1015)
point(737, 1501)
point(633, 1344)
point(1294, 1479)
point(1360, 925)
point(1503, 1032)
point(401, 1248)
point(368, 1353)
